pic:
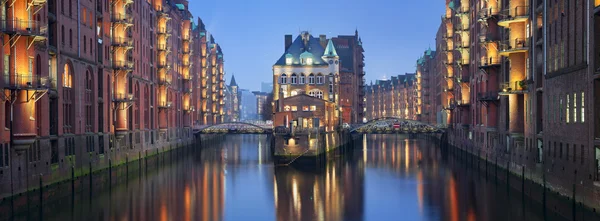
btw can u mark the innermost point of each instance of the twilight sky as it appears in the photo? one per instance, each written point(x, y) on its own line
point(251, 32)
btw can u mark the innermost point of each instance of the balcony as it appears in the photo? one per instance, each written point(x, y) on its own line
point(515, 87)
point(163, 65)
point(487, 38)
point(489, 62)
point(488, 96)
point(448, 89)
point(165, 105)
point(189, 109)
point(24, 27)
point(163, 48)
point(462, 10)
point(487, 13)
point(462, 104)
point(462, 62)
point(163, 31)
point(186, 51)
point(449, 63)
point(518, 45)
point(462, 79)
point(164, 81)
point(188, 77)
point(188, 90)
point(122, 42)
point(460, 27)
point(27, 82)
point(120, 97)
point(123, 65)
point(513, 15)
point(119, 18)
point(186, 38)
point(163, 14)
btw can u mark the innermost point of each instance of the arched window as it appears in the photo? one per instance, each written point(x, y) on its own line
point(294, 79)
point(283, 79)
point(302, 78)
point(146, 106)
point(68, 108)
point(316, 93)
point(311, 78)
point(137, 105)
point(89, 101)
point(319, 78)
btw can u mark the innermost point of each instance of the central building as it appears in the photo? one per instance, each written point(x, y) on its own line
point(305, 84)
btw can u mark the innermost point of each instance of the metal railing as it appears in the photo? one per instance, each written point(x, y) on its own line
point(165, 104)
point(488, 96)
point(123, 41)
point(164, 81)
point(162, 30)
point(514, 12)
point(121, 97)
point(121, 18)
point(516, 44)
point(513, 87)
point(18, 81)
point(163, 47)
point(24, 27)
point(126, 65)
point(489, 61)
point(488, 12)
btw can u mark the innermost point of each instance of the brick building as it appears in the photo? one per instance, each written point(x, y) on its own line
point(349, 49)
point(397, 97)
point(516, 78)
point(88, 82)
point(425, 85)
point(309, 66)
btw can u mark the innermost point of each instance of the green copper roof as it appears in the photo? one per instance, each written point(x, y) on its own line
point(428, 52)
point(330, 50)
point(180, 6)
point(451, 5)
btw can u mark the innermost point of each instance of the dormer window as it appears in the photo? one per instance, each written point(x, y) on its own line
point(309, 61)
point(288, 61)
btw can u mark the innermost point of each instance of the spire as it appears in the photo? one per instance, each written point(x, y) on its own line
point(330, 50)
point(232, 82)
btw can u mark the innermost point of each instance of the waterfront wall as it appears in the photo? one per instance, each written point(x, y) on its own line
point(567, 197)
point(36, 183)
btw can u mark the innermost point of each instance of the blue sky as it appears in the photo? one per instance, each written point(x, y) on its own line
point(251, 32)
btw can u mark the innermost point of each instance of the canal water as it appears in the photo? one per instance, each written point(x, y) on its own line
point(385, 177)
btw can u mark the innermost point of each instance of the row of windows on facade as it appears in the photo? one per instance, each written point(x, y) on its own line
point(572, 110)
point(294, 79)
point(304, 108)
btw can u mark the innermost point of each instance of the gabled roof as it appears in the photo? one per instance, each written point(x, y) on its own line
point(312, 46)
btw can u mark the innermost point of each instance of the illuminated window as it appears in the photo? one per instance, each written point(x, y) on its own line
point(582, 107)
point(288, 61)
point(568, 108)
point(313, 108)
point(294, 79)
point(319, 79)
point(309, 61)
point(575, 107)
point(294, 108)
point(283, 79)
point(67, 77)
point(305, 108)
point(287, 108)
point(302, 78)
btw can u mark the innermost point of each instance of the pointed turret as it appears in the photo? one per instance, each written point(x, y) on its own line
point(330, 51)
point(232, 82)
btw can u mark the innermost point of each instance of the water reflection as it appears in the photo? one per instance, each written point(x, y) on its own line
point(386, 177)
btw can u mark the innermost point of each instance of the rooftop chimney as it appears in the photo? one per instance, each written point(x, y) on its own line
point(288, 41)
point(323, 40)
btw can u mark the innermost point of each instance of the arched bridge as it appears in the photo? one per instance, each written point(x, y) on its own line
point(393, 125)
point(234, 128)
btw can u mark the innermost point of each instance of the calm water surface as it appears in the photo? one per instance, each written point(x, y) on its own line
point(386, 177)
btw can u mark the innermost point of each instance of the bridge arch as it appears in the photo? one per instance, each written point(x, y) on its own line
point(226, 127)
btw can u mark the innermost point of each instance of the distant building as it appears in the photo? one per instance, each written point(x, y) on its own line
point(396, 97)
point(266, 87)
point(247, 105)
point(426, 88)
point(261, 101)
point(305, 90)
point(232, 101)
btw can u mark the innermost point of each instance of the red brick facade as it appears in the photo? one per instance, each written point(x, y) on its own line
point(93, 81)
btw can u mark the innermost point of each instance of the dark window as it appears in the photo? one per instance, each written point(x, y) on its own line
point(71, 37)
point(7, 114)
point(53, 152)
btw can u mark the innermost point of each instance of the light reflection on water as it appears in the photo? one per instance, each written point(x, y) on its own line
point(385, 177)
